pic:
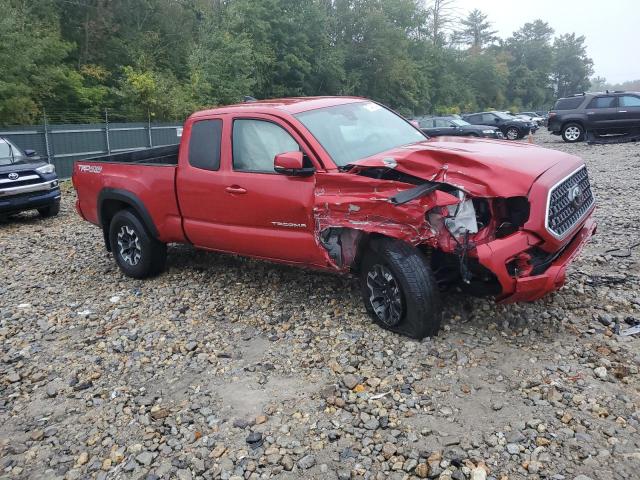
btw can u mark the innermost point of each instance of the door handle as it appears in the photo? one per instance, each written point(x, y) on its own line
point(622, 111)
point(590, 113)
point(236, 189)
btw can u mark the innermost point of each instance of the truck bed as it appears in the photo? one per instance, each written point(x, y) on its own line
point(146, 177)
point(166, 155)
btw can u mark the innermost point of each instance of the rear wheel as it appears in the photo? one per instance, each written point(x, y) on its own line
point(512, 133)
point(399, 290)
point(572, 132)
point(50, 211)
point(137, 253)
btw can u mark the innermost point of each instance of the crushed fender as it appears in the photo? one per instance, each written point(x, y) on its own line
point(348, 207)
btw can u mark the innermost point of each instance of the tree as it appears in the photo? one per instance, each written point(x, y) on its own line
point(571, 66)
point(440, 18)
point(32, 57)
point(530, 65)
point(170, 57)
point(476, 31)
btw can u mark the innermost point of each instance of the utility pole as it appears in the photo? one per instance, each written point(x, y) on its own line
point(46, 136)
point(106, 130)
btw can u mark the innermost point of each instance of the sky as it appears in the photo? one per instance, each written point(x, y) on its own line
point(611, 28)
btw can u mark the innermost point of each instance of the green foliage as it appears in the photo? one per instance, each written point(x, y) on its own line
point(167, 58)
point(571, 66)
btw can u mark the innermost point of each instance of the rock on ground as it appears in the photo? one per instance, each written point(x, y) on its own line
point(102, 376)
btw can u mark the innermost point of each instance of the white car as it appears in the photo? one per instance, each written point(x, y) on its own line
point(532, 117)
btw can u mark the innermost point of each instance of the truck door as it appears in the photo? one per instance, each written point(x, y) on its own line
point(245, 207)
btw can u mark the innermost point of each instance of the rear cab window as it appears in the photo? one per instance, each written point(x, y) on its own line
point(204, 144)
point(568, 103)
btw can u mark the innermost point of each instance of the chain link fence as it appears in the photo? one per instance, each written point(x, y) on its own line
point(63, 143)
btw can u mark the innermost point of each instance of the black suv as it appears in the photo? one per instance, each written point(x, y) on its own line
point(512, 128)
point(455, 127)
point(599, 113)
point(26, 182)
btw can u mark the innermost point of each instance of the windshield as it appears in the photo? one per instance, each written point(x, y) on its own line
point(9, 153)
point(459, 123)
point(354, 131)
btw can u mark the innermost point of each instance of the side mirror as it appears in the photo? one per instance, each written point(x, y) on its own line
point(291, 163)
point(29, 153)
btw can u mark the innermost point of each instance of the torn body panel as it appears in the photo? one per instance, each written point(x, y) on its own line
point(349, 206)
point(474, 234)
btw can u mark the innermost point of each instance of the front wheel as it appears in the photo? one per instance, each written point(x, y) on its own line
point(399, 290)
point(512, 133)
point(137, 253)
point(572, 132)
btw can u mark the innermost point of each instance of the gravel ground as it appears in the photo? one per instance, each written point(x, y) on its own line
point(231, 368)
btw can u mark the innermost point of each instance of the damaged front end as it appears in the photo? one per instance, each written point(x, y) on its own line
point(474, 239)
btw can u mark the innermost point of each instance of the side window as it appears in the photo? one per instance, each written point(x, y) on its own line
point(488, 118)
point(474, 118)
point(629, 101)
point(257, 142)
point(426, 123)
point(442, 123)
point(204, 145)
point(568, 103)
point(602, 102)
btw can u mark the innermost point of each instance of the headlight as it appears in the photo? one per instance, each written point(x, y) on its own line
point(49, 168)
point(488, 131)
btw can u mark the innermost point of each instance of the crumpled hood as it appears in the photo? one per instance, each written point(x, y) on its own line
point(485, 168)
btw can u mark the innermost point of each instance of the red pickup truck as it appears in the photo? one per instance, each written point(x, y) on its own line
point(347, 185)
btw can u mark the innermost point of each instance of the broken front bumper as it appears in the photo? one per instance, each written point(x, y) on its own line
point(497, 255)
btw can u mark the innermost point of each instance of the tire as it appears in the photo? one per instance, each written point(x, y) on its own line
point(572, 133)
point(408, 299)
point(136, 252)
point(512, 133)
point(50, 211)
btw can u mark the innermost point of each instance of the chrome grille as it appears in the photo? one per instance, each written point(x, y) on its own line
point(569, 201)
point(19, 179)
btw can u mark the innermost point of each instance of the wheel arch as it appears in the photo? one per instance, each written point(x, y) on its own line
point(112, 200)
point(577, 121)
point(346, 246)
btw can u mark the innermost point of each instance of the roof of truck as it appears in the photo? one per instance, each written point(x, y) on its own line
point(290, 105)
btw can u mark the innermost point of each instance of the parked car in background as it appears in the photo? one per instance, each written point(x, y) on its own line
point(512, 128)
point(455, 127)
point(26, 182)
point(605, 113)
point(346, 185)
point(535, 117)
point(534, 125)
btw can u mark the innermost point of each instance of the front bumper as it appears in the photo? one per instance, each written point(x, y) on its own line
point(496, 256)
point(29, 201)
